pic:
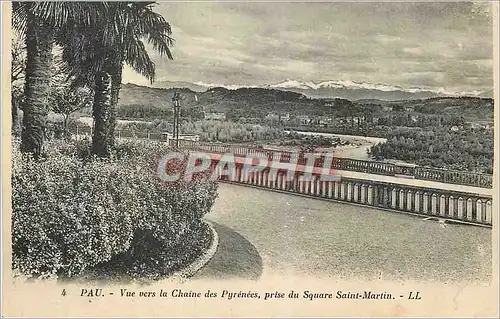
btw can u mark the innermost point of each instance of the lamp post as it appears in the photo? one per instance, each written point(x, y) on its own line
point(176, 101)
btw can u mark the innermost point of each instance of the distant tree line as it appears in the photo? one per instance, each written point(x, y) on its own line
point(462, 150)
point(420, 120)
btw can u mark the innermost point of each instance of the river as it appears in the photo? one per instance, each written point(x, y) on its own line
point(358, 148)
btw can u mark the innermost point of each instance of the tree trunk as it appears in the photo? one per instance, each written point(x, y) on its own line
point(101, 111)
point(15, 114)
point(115, 69)
point(39, 40)
point(66, 132)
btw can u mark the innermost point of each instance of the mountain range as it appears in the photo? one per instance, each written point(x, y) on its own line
point(258, 102)
point(350, 90)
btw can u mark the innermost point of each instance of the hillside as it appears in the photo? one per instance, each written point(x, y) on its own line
point(472, 108)
point(258, 102)
point(131, 94)
point(248, 102)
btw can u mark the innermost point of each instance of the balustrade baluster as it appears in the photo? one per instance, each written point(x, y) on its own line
point(460, 208)
point(451, 207)
point(488, 217)
point(393, 198)
point(401, 199)
point(442, 205)
point(349, 191)
point(479, 211)
point(363, 193)
point(336, 190)
point(434, 204)
point(425, 208)
point(330, 188)
point(416, 206)
point(409, 200)
point(301, 184)
point(343, 191)
point(355, 193)
point(370, 194)
point(469, 209)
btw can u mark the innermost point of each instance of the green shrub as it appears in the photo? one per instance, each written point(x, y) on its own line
point(169, 231)
point(67, 215)
point(72, 212)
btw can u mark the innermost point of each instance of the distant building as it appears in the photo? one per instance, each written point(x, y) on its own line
point(253, 120)
point(303, 119)
point(284, 117)
point(215, 116)
point(187, 137)
point(272, 116)
point(409, 108)
point(478, 126)
point(325, 120)
point(386, 108)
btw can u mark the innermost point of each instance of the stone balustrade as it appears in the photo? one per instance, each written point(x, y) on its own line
point(465, 207)
point(371, 167)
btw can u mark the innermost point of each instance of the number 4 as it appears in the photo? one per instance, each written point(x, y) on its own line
point(63, 292)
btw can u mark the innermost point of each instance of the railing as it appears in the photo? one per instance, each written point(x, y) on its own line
point(433, 203)
point(347, 164)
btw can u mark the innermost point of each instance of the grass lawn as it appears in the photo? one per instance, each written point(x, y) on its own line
point(296, 235)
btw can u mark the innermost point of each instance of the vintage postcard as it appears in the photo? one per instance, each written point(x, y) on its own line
point(250, 159)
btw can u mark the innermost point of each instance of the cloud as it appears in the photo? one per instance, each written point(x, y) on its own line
point(445, 45)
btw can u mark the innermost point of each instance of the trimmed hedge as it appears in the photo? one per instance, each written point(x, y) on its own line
point(72, 212)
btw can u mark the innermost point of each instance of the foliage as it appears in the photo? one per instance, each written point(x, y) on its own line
point(294, 138)
point(66, 100)
point(67, 215)
point(210, 130)
point(223, 131)
point(119, 38)
point(423, 121)
point(139, 111)
point(460, 150)
point(38, 23)
point(72, 212)
point(18, 60)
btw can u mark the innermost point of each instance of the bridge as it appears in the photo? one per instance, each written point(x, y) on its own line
point(449, 196)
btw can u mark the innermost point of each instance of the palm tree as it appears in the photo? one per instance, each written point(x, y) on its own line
point(38, 22)
point(18, 64)
point(96, 57)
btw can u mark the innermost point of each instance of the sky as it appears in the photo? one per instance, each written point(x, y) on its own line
point(439, 46)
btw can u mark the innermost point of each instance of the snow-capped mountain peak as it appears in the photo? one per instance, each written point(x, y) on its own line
point(293, 84)
point(338, 84)
point(227, 86)
point(349, 89)
point(358, 85)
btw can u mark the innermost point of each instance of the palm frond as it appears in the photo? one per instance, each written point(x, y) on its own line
point(119, 28)
point(83, 53)
point(138, 58)
point(156, 30)
point(57, 14)
point(20, 15)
